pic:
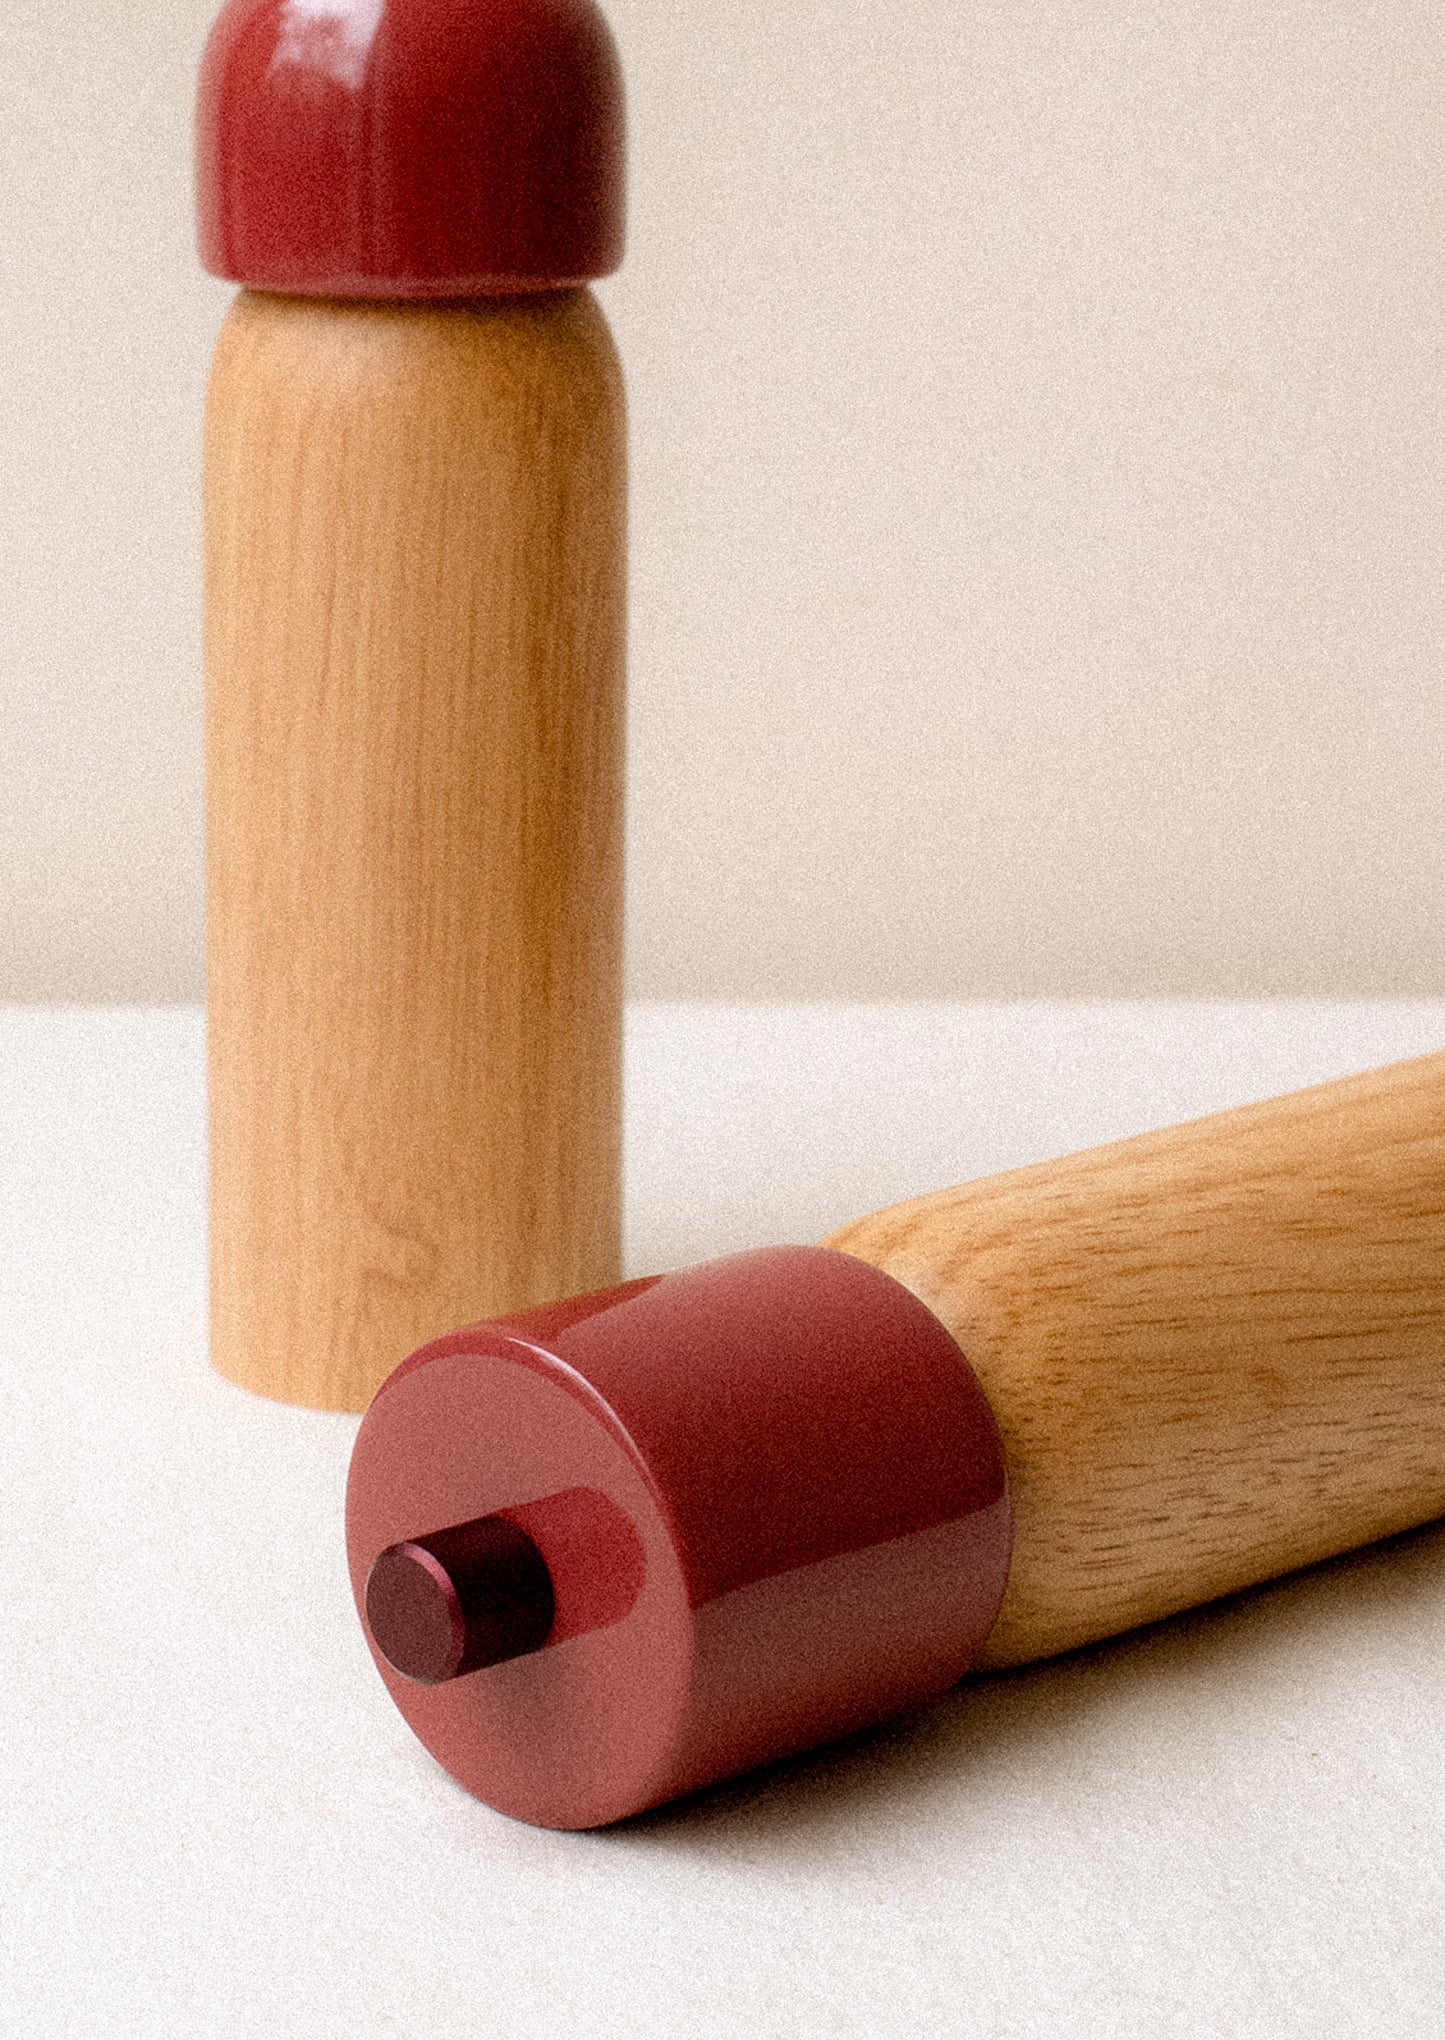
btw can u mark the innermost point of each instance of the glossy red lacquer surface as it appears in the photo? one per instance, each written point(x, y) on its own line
point(410, 148)
point(771, 1498)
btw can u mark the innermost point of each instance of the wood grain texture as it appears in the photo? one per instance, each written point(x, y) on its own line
point(1215, 1352)
point(414, 672)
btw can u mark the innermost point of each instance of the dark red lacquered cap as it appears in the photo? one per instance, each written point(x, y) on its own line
point(760, 1503)
point(410, 148)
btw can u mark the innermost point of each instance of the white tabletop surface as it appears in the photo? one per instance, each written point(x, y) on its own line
point(213, 1822)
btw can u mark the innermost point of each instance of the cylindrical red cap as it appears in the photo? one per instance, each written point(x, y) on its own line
point(410, 148)
point(771, 1503)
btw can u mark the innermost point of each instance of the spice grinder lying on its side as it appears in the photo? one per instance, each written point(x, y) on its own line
point(615, 1549)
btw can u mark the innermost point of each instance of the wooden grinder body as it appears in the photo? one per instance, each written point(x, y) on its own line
point(1214, 1353)
point(414, 673)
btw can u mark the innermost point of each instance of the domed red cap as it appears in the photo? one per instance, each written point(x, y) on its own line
point(410, 148)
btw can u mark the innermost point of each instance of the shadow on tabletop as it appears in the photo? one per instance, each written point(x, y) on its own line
point(997, 1719)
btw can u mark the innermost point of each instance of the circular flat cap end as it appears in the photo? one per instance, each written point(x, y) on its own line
point(769, 1496)
point(410, 148)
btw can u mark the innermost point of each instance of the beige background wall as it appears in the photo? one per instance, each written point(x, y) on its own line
point(1040, 502)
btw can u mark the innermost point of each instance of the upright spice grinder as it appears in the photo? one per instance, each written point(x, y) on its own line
point(414, 558)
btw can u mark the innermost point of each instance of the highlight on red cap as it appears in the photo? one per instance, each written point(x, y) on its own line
point(410, 148)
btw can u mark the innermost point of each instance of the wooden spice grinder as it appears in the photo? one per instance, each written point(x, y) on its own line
point(610, 1551)
point(415, 476)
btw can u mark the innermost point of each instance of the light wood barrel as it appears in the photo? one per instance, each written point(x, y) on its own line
point(1215, 1353)
point(414, 671)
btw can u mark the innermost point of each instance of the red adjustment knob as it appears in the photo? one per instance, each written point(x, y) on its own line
point(441, 1606)
point(767, 1496)
point(410, 148)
